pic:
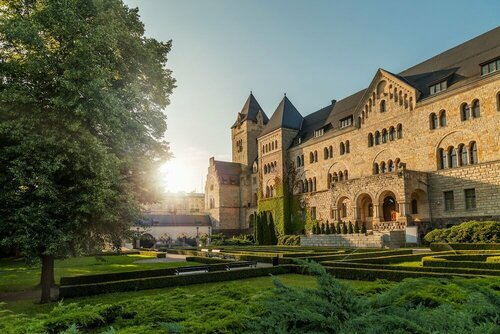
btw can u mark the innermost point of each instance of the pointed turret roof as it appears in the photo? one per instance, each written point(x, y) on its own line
point(285, 116)
point(250, 110)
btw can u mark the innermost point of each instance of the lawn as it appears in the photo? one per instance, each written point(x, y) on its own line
point(16, 275)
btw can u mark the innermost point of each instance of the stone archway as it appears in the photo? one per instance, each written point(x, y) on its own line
point(364, 204)
point(344, 209)
point(389, 212)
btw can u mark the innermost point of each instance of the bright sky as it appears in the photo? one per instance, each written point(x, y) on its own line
point(315, 51)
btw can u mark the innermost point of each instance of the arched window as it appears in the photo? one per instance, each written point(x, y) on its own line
point(330, 151)
point(311, 157)
point(335, 177)
point(315, 156)
point(302, 160)
point(395, 94)
point(306, 186)
point(442, 118)
point(400, 97)
point(442, 158)
point(300, 186)
point(325, 153)
point(433, 120)
point(452, 157)
point(400, 131)
point(276, 144)
point(396, 163)
point(385, 136)
point(359, 121)
point(382, 106)
point(473, 153)
point(265, 169)
point(341, 176)
point(392, 133)
point(329, 184)
point(377, 138)
point(311, 185)
point(476, 109)
point(414, 207)
point(298, 161)
point(370, 140)
point(462, 155)
point(498, 101)
point(342, 148)
point(465, 112)
point(346, 175)
point(347, 147)
point(382, 167)
point(267, 191)
point(375, 168)
point(391, 166)
point(272, 146)
point(314, 183)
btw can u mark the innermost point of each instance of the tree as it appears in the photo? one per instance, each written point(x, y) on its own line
point(351, 229)
point(363, 228)
point(259, 230)
point(266, 240)
point(344, 228)
point(314, 231)
point(339, 231)
point(328, 230)
point(323, 228)
point(318, 228)
point(82, 93)
point(333, 230)
point(272, 230)
point(356, 227)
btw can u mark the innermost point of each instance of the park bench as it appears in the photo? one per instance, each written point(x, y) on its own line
point(241, 264)
point(190, 269)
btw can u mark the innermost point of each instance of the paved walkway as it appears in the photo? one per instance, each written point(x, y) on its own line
point(168, 258)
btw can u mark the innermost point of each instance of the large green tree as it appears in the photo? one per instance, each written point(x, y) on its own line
point(82, 93)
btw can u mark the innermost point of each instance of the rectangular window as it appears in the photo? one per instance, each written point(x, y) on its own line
point(490, 67)
point(346, 122)
point(318, 133)
point(440, 86)
point(449, 201)
point(313, 212)
point(470, 199)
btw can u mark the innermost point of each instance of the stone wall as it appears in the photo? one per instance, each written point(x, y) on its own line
point(393, 239)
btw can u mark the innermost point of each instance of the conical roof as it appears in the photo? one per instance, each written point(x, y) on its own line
point(250, 111)
point(285, 116)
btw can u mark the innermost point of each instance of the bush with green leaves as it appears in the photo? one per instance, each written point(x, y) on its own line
point(289, 240)
point(468, 232)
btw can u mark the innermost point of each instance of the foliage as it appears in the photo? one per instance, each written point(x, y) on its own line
point(351, 229)
point(439, 247)
point(468, 232)
point(328, 230)
point(363, 228)
point(289, 240)
point(356, 227)
point(339, 230)
point(323, 228)
point(344, 228)
point(81, 124)
point(272, 231)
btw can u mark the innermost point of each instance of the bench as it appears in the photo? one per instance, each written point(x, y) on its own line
point(241, 264)
point(215, 253)
point(190, 269)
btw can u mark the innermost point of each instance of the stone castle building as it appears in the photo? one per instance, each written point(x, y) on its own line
point(416, 148)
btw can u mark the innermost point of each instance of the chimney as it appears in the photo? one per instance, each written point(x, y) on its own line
point(334, 101)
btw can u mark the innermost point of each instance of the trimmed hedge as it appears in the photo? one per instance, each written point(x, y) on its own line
point(168, 281)
point(206, 260)
point(392, 275)
point(350, 256)
point(468, 232)
point(436, 262)
point(439, 247)
point(469, 271)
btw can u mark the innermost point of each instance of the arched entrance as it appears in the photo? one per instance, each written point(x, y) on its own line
point(365, 208)
point(344, 209)
point(389, 208)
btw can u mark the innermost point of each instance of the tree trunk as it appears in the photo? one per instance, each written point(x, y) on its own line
point(47, 277)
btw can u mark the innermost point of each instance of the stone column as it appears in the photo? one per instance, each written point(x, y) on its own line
point(376, 216)
point(404, 208)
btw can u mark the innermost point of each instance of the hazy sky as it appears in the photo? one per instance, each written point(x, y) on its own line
point(315, 51)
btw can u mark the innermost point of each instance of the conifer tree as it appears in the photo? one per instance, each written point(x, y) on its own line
point(339, 230)
point(272, 230)
point(351, 229)
point(314, 231)
point(333, 230)
point(363, 228)
point(344, 228)
point(266, 240)
point(328, 231)
point(323, 228)
point(356, 227)
point(318, 228)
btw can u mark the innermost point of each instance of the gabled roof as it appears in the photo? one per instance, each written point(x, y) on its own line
point(250, 111)
point(228, 172)
point(315, 121)
point(344, 108)
point(285, 116)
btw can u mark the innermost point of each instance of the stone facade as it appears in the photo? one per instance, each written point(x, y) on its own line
point(386, 156)
point(393, 239)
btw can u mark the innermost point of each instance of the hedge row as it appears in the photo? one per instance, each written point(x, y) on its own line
point(206, 260)
point(350, 256)
point(168, 281)
point(468, 271)
point(439, 247)
point(392, 275)
point(432, 262)
point(394, 258)
point(112, 277)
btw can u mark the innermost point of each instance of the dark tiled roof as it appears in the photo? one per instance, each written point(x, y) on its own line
point(314, 121)
point(176, 220)
point(250, 110)
point(286, 116)
point(344, 108)
point(228, 172)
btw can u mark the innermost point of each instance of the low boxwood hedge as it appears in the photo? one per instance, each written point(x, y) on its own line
point(69, 291)
point(350, 256)
point(440, 247)
point(206, 260)
point(469, 271)
point(437, 262)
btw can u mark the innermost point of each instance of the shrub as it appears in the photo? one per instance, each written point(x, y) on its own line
point(339, 231)
point(363, 228)
point(344, 228)
point(351, 229)
point(323, 228)
point(468, 232)
point(356, 227)
point(440, 247)
point(289, 240)
point(328, 230)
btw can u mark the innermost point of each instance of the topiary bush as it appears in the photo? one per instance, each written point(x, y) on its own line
point(468, 232)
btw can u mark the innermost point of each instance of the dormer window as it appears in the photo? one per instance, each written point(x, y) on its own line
point(345, 122)
point(438, 87)
point(319, 133)
point(490, 66)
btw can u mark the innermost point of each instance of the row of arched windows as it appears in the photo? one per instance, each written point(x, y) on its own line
point(239, 145)
point(313, 157)
point(473, 110)
point(456, 157)
point(435, 121)
point(270, 167)
point(390, 166)
point(270, 191)
point(337, 177)
point(328, 152)
point(300, 160)
point(270, 146)
point(345, 148)
point(385, 136)
point(307, 185)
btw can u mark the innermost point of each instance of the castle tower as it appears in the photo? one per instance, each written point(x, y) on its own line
point(244, 132)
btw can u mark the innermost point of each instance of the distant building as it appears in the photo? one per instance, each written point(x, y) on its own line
point(417, 148)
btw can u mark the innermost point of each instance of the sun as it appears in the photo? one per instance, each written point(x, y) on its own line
point(176, 175)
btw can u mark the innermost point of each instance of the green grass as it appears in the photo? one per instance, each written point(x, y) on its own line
point(16, 275)
point(408, 264)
